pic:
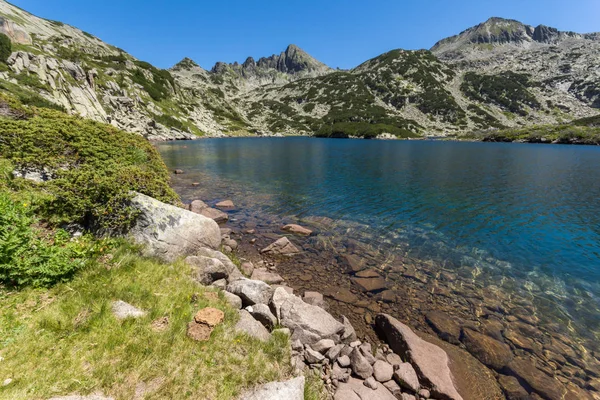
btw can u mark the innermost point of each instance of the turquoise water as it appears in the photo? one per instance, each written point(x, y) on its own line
point(526, 212)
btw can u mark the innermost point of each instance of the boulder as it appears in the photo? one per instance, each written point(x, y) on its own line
point(220, 284)
point(233, 300)
point(315, 299)
point(525, 370)
point(248, 325)
point(247, 268)
point(307, 322)
point(334, 352)
point(206, 270)
point(312, 356)
point(288, 390)
point(407, 378)
point(489, 351)
point(170, 232)
point(263, 314)
point(370, 284)
point(122, 310)
point(323, 345)
point(344, 361)
point(444, 325)
point(341, 374)
point(281, 247)
point(512, 388)
point(266, 276)
point(383, 371)
point(430, 361)
point(360, 365)
point(297, 230)
point(355, 387)
point(371, 383)
point(250, 291)
point(349, 334)
point(393, 387)
point(232, 272)
point(394, 359)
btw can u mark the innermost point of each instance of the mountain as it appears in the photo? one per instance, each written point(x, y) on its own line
point(498, 74)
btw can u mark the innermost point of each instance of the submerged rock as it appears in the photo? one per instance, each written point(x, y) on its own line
point(170, 232)
point(297, 230)
point(281, 247)
point(489, 351)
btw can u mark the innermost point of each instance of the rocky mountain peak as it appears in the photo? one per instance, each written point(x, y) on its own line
point(186, 64)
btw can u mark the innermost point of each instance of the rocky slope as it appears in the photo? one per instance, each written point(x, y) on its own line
point(499, 74)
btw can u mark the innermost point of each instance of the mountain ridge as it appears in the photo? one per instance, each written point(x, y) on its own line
point(500, 73)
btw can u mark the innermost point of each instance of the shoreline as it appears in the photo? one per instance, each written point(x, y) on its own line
point(359, 283)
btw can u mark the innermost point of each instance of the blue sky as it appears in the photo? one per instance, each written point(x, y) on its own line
point(341, 33)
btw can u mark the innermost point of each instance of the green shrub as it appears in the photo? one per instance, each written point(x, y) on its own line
point(5, 47)
point(95, 167)
point(158, 87)
point(32, 256)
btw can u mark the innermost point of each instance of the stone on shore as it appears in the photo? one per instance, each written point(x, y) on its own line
point(282, 247)
point(312, 356)
point(216, 215)
point(250, 291)
point(383, 371)
point(263, 314)
point(247, 268)
point(248, 325)
point(264, 275)
point(207, 270)
point(429, 360)
point(323, 345)
point(349, 334)
point(407, 378)
point(209, 316)
point(512, 388)
point(355, 389)
point(122, 310)
point(234, 300)
point(232, 272)
point(489, 351)
point(360, 365)
point(307, 322)
point(170, 232)
point(370, 284)
point(315, 299)
point(288, 390)
point(197, 206)
point(297, 230)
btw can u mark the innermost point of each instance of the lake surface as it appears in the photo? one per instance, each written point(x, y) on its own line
point(528, 215)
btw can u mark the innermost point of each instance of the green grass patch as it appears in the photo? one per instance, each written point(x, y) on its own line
point(65, 340)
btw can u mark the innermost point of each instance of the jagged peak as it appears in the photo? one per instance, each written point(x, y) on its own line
point(186, 64)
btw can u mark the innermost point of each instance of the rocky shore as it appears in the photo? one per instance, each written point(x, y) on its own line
point(494, 349)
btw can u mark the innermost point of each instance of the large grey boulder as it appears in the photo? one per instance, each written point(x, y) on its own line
point(170, 232)
point(360, 365)
point(251, 292)
point(263, 314)
point(308, 323)
point(248, 325)
point(430, 362)
point(288, 390)
point(233, 300)
point(355, 389)
point(407, 378)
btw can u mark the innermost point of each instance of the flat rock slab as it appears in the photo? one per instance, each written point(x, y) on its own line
point(281, 247)
point(216, 215)
point(444, 325)
point(170, 232)
point(122, 310)
point(489, 351)
point(370, 284)
point(248, 325)
point(354, 262)
point(429, 361)
point(297, 230)
point(357, 387)
point(197, 206)
point(266, 276)
point(545, 386)
point(288, 390)
point(209, 316)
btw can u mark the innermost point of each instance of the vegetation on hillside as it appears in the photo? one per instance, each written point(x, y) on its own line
point(5, 47)
point(573, 133)
point(508, 90)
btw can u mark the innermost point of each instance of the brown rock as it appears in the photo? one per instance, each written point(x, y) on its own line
point(370, 284)
point(197, 206)
point(512, 388)
point(547, 387)
point(225, 204)
point(343, 295)
point(369, 273)
point(444, 325)
point(195, 184)
point(199, 332)
point(266, 276)
point(297, 230)
point(209, 316)
point(178, 172)
point(281, 247)
point(354, 262)
point(523, 342)
point(489, 351)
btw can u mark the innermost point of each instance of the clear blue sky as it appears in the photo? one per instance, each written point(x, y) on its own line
point(340, 33)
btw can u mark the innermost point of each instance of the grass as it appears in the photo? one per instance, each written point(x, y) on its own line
point(65, 340)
